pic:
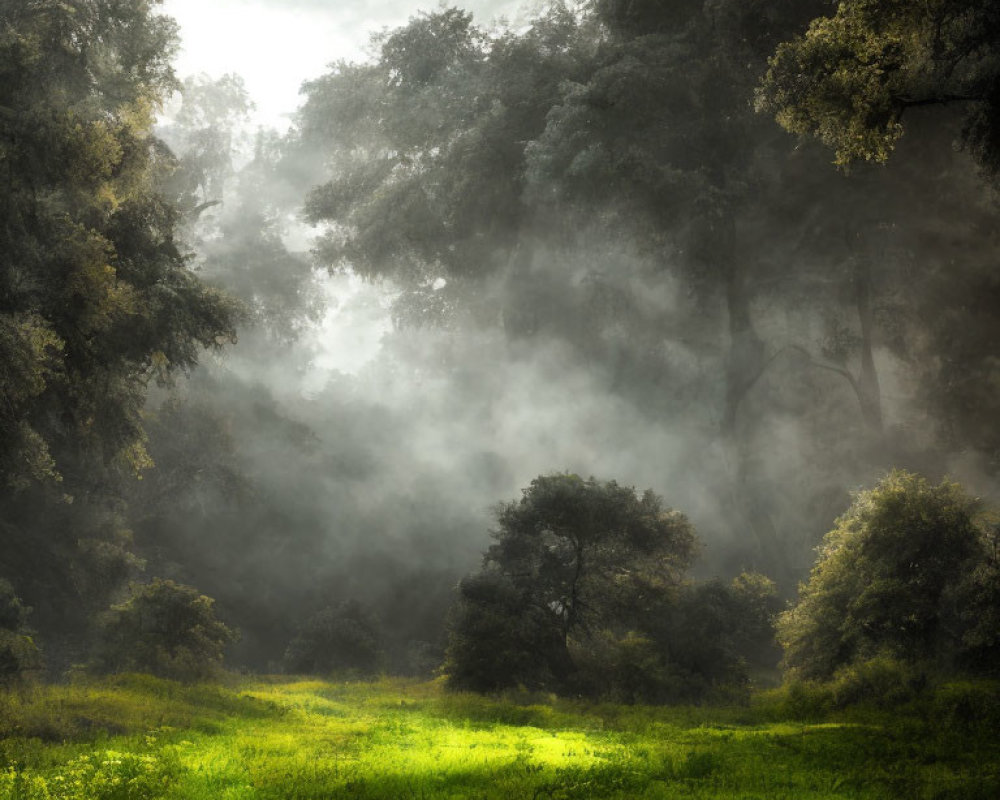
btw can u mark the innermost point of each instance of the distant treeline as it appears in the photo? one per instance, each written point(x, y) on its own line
point(605, 257)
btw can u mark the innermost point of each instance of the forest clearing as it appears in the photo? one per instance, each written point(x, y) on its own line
point(594, 398)
point(141, 738)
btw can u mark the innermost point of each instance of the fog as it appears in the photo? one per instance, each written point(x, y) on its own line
point(470, 256)
point(372, 437)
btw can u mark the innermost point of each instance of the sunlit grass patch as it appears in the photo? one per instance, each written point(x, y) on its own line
point(311, 740)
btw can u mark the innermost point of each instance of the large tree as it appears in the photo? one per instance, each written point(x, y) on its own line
point(96, 296)
point(426, 150)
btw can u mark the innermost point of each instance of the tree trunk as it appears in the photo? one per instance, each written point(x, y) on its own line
point(745, 362)
point(869, 392)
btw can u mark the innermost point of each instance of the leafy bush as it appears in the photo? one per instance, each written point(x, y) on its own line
point(882, 682)
point(165, 629)
point(631, 669)
point(803, 701)
point(888, 581)
point(345, 639)
point(968, 706)
point(497, 639)
point(19, 656)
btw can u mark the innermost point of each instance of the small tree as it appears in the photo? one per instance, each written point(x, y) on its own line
point(571, 559)
point(18, 653)
point(164, 629)
point(887, 580)
point(341, 639)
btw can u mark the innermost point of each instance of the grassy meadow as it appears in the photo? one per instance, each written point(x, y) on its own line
point(139, 738)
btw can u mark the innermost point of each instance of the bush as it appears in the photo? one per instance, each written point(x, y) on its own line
point(968, 706)
point(165, 629)
point(882, 682)
point(498, 640)
point(632, 669)
point(19, 656)
point(343, 640)
point(799, 700)
point(888, 580)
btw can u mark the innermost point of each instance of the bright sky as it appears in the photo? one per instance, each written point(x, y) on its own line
point(275, 45)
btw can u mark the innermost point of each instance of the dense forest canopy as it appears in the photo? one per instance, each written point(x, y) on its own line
point(743, 253)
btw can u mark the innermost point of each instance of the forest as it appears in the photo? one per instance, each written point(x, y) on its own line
point(613, 388)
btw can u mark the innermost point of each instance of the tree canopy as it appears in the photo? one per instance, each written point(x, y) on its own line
point(165, 629)
point(97, 297)
point(896, 577)
point(571, 558)
point(853, 75)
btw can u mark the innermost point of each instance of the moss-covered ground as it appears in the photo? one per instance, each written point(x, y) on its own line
point(137, 738)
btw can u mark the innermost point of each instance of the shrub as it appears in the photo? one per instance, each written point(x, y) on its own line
point(498, 639)
point(804, 701)
point(968, 706)
point(886, 579)
point(345, 639)
point(165, 629)
point(882, 682)
point(631, 669)
point(19, 656)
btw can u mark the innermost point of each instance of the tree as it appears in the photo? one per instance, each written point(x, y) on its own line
point(851, 78)
point(887, 580)
point(573, 557)
point(95, 296)
point(97, 299)
point(341, 639)
point(426, 147)
point(164, 629)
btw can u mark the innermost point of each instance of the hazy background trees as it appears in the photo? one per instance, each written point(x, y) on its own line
point(571, 244)
point(97, 300)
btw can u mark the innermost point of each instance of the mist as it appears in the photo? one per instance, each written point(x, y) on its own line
point(368, 436)
point(473, 249)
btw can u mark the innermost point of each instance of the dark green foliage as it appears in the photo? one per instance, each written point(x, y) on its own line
point(708, 642)
point(975, 606)
point(13, 613)
point(574, 562)
point(583, 593)
point(721, 632)
point(880, 682)
point(97, 298)
point(95, 295)
point(427, 149)
point(498, 639)
point(338, 640)
point(897, 577)
point(165, 629)
point(851, 78)
point(19, 656)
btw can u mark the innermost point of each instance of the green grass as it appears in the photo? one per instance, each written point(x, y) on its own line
point(137, 738)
